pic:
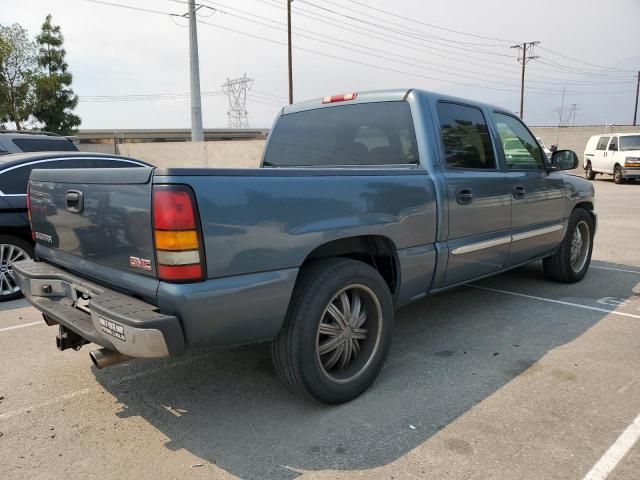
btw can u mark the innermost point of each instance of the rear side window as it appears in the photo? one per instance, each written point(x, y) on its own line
point(602, 143)
point(44, 145)
point(15, 180)
point(361, 134)
point(465, 136)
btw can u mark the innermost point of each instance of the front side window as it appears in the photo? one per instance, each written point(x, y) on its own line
point(602, 143)
point(465, 137)
point(347, 135)
point(613, 145)
point(521, 150)
point(631, 142)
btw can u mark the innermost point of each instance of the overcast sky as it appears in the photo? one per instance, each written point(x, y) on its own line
point(113, 51)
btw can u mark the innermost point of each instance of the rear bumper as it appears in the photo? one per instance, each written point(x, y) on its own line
point(116, 321)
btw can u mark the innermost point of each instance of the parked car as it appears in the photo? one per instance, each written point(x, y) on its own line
point(16, 242)
point(616, 154)
point(363, 203)
point(547, 152)
point(17, 141)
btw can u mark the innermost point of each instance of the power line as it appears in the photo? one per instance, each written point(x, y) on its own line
point(583, 62)
point(431, 25)
point(525, 55)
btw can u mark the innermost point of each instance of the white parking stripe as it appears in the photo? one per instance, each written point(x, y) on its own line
point(24, 325)
point(67, 396)
point(616, 452)
point(616, 269)
point(560, 302)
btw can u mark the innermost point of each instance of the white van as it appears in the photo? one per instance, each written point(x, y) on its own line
point(616, 154)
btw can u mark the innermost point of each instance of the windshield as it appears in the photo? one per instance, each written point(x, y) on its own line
point(361, 134)
point(631, 142)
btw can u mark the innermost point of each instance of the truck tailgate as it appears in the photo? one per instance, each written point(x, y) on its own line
point(101, 216)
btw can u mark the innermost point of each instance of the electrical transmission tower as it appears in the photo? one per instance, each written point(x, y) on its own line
point(236, 89)
point(525, 53)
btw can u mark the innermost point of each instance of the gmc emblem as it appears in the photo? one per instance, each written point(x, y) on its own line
point(142, 263)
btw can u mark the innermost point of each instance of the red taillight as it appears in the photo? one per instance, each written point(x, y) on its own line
point(173, 210)
point(340, 98)
point(177, 237)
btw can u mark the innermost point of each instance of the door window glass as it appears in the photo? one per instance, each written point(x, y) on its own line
point(521, 150)
point(465, 136)
point(613, 145)
point(602, 143)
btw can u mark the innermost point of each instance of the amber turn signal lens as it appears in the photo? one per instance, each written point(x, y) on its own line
point(176, 240)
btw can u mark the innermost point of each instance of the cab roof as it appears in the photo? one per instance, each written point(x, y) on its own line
point(396, 95)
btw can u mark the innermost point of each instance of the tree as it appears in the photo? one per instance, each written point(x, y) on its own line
point(55, 99)
point(17, 75)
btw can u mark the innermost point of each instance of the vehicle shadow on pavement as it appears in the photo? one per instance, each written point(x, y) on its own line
point(450, 352)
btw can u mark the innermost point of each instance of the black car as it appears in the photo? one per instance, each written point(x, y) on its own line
point(15, 235)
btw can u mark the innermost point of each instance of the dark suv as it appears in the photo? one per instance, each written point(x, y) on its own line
point(17, 141)
point(16, 242)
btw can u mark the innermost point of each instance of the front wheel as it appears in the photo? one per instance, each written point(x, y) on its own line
point(12, 249)
point(337, 331)
point(617, 175)
point(571, 262)
point(588, 172)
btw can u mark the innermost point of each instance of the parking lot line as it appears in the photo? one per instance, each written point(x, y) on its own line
point(616, 452)
point(551, 300)
point(616, 269)
point(24, 325)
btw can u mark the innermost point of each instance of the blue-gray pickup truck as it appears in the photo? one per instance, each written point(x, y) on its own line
point(363, 202)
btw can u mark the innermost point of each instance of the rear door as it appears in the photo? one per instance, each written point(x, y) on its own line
point(478, 194)
point(537, 195)
point(612, 155)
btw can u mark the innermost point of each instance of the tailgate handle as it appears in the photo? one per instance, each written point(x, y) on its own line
point(74, 201)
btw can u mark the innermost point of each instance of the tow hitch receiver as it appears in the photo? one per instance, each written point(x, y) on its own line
point(69, 339)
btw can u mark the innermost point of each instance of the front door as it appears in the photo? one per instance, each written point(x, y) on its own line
point(537, 223)
point(478, 195)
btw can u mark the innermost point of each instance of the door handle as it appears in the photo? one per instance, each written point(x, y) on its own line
point(464, 196)
point(519, 191)
point(74, 201)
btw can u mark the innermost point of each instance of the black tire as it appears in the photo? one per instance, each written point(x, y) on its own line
point(7, 281)
point(617, 175)
point(561, 267)
point(588, 172)
point(296, 350)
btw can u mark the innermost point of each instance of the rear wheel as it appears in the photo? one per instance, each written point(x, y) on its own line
point(12, 249)
point(337, 332)
point(571, 262)
point(588, 172)
point(617, 175)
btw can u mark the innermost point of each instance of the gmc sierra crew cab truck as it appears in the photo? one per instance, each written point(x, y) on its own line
point(363, 202)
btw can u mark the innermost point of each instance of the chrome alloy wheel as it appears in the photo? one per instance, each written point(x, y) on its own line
point(580, 243)
point(349, 333)
point(9, 254)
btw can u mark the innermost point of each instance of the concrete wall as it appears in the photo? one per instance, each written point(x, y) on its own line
point(575, 138)
point(247, 153)
point(217, 154)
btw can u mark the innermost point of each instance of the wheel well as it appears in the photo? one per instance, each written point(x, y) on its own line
point(375, 250)
point(18, 233)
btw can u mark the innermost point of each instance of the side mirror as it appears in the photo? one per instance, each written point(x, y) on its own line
point(564, 159)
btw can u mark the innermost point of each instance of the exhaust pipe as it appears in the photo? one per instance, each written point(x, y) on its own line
point(104, 358)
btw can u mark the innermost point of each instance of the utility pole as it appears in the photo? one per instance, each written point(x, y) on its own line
point(289, 51)
point(635, 110)
point(197, 135)
point(560, 117)
point(525, 53)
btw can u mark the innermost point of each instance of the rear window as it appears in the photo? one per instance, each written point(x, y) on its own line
point(15, 180)
point(44, 145)
point(362, 134)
